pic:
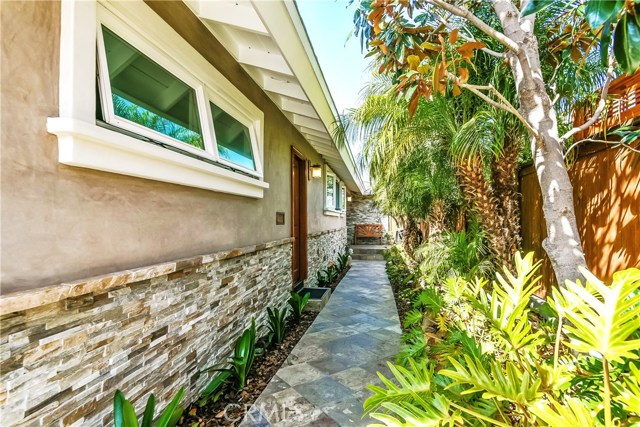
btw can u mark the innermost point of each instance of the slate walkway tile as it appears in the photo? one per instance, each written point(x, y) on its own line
point(334, 363)
point(300, 374)
point(356, 378)
point(348, 412)
point(323, 381)
point(324, 391)
point(305, 353)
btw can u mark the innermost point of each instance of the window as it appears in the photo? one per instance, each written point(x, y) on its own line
point(335, 194)
point(145, 98)
point(331, 191)
point(161, 111)
point(233, 139)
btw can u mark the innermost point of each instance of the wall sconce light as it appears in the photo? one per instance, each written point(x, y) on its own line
point(316, 171)
point(349, 199)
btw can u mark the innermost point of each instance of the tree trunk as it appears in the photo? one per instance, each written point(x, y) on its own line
point(504, 174)
point(562, 244)
point(480, 196)
point(410, 236)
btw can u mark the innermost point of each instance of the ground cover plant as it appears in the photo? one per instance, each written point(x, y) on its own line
point(475, 353)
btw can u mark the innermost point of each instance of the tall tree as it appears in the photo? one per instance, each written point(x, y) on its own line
point(429, 45)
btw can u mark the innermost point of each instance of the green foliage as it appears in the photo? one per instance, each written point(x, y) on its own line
point(328, 275)
point(463, 254)
point(244, 353)
point(343, 258)
point(501, 365)
point(124, 414)
point(277, 323)
point(298, 302)
point(212, 391)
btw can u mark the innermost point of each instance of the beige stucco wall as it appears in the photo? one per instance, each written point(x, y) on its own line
point(62, 223)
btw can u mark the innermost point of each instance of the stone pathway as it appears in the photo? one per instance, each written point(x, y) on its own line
point(323, 381)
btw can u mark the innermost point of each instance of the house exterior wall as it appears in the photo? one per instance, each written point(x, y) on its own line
point(148, 330)
point(324, 246)
point(62, 223)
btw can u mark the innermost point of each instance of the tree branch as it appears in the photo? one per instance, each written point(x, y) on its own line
point(600, 141)
point(470, 38)
point(504, 105)
point(599, 110)
point(478, 23)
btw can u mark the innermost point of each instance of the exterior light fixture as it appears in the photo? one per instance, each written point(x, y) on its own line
point(349, 198)
point(316, 171)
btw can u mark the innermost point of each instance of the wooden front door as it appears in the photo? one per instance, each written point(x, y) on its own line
point(298, 216)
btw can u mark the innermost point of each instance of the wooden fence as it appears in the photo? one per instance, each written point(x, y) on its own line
point(606, 188)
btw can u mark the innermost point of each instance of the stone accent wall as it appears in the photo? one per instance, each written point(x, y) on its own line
point(323, 247)
point(360, 210)
point(64, 350)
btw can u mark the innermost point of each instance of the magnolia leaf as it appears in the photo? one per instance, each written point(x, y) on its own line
point(430, 46)
point(453, 36)
point(413, 61)
point(463, 74)
point(466, 49)
point(456, 90)
point(626, 43)
point(535, 6)
point(597, 12)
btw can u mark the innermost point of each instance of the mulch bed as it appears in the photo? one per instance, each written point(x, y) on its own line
point(264, 368)
point(336, 282)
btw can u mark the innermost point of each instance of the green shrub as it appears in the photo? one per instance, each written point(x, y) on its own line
point(124, 414)
point(297, 303)
point(244, 353)
point(277, 324)
point(502, 366)
point(343, 258)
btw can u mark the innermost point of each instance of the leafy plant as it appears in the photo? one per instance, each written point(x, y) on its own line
point(244, 352)
point(124, 414)
point(323, 280)
point(298, 302)
point(343, 258)
point(502, 370)
point(214, 388)
point(277, 324)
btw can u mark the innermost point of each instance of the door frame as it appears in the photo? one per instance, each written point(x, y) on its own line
point(297, 156)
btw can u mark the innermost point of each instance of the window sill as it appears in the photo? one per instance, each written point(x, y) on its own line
point(332, 212)
point(87, 145)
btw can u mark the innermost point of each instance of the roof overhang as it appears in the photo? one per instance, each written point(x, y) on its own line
point(269, 40)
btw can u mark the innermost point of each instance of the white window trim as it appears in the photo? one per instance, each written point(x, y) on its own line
point(331, 210)
point(82, 143)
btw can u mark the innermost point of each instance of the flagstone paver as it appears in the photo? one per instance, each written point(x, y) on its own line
point(323, 382)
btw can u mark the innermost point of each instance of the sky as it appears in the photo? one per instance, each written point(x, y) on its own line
point(329, 25)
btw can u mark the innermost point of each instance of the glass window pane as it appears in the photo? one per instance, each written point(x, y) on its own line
point(147, 94)
point(330, 191)
point(232, 137)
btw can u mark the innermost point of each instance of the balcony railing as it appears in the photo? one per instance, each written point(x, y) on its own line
point(623, 105)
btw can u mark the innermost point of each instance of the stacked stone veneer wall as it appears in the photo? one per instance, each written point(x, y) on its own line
point(64, 350)
point(361, 210)
point(323, 247)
